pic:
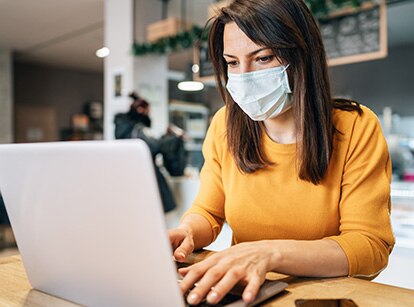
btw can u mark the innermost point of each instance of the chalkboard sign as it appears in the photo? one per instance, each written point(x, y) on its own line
point(356, 37)
point(201, 57)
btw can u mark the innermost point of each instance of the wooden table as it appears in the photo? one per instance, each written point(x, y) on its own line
point(15, 290)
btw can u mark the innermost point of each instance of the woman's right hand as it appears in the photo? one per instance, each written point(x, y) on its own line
point(182, 243)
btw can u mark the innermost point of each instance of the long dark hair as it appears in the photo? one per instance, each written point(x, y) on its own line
point(288, 28)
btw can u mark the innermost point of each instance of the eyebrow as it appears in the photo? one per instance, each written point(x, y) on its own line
point(250, 54)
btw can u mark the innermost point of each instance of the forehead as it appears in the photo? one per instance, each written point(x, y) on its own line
point(236, 42)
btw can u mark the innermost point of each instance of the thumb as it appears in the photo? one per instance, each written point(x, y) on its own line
point(186, 248)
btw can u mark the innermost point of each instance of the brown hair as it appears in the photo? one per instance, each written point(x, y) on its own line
point(288, 28)
point(137, 102)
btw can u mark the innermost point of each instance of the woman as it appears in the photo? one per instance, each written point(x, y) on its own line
point(135, 120)
point(136, 123)
point(302, 179)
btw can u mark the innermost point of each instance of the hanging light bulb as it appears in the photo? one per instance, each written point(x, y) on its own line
point(195, 68)
point(102, 52)
point(190, 86)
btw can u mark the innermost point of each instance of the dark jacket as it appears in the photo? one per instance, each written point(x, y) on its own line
point(4, 219)
point(129, 126)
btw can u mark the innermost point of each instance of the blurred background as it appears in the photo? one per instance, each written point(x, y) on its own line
point(68, 67)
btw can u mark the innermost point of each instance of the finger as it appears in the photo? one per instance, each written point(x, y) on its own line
point(205, 284)
point(252, 288)
point(230, 279)
point(186, 247)
point(183, 271)
point(190, 279)
point(180, 255)
point(176, 237)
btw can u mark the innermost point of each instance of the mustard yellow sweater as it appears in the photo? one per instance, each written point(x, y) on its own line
point(350, 206)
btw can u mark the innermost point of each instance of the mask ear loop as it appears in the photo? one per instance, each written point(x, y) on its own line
point(286, 67)
point(286, 80)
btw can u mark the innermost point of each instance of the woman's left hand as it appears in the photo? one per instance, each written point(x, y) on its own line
point(215, 276)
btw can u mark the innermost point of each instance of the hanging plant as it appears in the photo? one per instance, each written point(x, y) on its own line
point(318, 7)
point(186, 39)
point(181, 41)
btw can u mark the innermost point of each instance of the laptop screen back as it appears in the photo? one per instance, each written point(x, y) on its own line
point(88, 222)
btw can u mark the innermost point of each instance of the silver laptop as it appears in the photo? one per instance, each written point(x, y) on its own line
point(89, 224)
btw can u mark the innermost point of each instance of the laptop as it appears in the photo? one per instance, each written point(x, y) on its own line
point(89, 223)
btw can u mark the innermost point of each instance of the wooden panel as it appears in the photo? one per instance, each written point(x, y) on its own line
point(165, 28)
point(35, 124)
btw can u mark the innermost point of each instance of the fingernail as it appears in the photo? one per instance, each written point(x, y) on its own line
point(192, 298)
point(182, 254)
point(248, 296)
point(212, 297)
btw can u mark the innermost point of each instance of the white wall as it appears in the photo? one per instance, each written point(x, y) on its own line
point(119, 39)
point(151, 83)
point(6, 98)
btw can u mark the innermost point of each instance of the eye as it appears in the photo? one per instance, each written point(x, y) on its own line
point(265, 59)
point(232, 63)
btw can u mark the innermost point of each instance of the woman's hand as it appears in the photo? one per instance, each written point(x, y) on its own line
point(182, 243)
point(215, 276)
point(194, 232)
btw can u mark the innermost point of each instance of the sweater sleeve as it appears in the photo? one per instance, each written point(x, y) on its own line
point(210, 199)
point(365, 229)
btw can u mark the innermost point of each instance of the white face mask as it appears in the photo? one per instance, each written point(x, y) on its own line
point(261, 94)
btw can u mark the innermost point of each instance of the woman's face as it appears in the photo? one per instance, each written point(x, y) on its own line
point(242, 55)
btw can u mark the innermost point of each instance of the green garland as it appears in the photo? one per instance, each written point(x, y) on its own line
point(186, 39)
point(181, 41)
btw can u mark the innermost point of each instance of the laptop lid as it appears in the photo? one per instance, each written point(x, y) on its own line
point(88, 222)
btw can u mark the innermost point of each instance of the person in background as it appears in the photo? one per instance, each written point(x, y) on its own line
point(302, 179)
point(94, 111)
point(4, 218)
point(6, 233)
point(136, 123)
point(137, 118)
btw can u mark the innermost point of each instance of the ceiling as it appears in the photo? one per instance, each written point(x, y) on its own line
point(54, 32)
point(67, 33)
